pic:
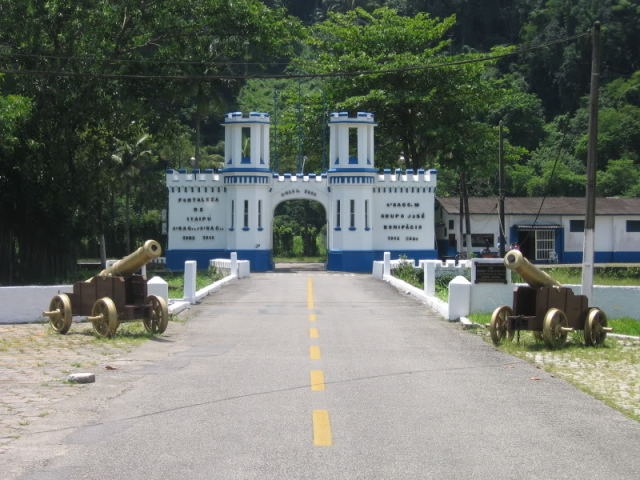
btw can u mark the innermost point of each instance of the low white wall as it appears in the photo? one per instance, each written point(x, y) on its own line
point(26, 304)
point(614, 301)
point(225, 265)
point(464, 299)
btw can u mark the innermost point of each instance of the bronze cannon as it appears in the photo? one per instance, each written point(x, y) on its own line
point(114, 295)
point(546, 308)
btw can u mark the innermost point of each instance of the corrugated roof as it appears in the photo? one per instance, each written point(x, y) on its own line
point(550, 205)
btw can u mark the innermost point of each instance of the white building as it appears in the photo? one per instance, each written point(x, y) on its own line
point(212, 214)
point(545, 229)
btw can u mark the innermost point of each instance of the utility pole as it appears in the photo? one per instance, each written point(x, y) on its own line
point(501, 239)
point(592, 152)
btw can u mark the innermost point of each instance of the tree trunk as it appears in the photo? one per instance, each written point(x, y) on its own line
point(103, 250)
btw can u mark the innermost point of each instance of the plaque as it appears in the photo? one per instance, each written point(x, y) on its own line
point(491, 273)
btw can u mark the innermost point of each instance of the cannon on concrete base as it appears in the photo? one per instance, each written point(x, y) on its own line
point(115, 295)
point(547, 308)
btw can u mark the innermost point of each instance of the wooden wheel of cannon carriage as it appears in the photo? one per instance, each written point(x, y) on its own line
point(59, 313)
point(595, 327)
point(104, 317)
point(554, 328)
point(158, 317)
point(499, 323)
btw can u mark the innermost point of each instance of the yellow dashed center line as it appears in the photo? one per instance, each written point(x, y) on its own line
point(310, 293)
point(321, 429)
point(322, 436)
point(314, 352)
point(317, 380)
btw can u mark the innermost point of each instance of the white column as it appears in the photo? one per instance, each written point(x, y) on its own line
point(333, 145)
point(343, 144)
point(362, 145)
point(265, 145)
point(370, 145)
point(256, 144)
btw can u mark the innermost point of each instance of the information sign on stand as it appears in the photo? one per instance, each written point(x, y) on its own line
point(490, 272)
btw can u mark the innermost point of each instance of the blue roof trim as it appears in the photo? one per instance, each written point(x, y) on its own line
point(351, 170)
point(236, 169)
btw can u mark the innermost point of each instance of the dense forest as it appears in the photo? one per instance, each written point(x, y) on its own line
point(98, 98)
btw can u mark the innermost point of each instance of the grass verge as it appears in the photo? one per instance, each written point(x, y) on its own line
point(203, 278)
point(609, 372)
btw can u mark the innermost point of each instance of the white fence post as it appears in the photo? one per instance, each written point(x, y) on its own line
point(234, 263)
point(190, 273)
point(430, 276)
point(459, 298)
point(159, 287)
point(386, 271)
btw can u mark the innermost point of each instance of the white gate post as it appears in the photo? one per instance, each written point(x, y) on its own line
point(234, 264)
point(387, 264)
point(190, 273)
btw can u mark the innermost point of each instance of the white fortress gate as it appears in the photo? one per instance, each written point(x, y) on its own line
point(212, 214)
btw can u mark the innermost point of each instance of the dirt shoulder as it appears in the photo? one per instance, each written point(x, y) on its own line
point(35, 363)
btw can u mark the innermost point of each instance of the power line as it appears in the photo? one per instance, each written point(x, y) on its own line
point(236, 77)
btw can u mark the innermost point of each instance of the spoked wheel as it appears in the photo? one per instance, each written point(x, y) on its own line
point(595, 327)
point(59, 313)
point(554, 328)
point(498, 326)
point(158, 317)
point(104, 317)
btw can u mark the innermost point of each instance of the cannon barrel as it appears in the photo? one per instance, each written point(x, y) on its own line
point(536, 278)
point(134, 261)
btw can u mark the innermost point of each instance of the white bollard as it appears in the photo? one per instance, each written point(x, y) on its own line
point(459, 298)
point(386, 271)
point(190, 273)
point(430, 276)
point(234, 264)
point(158, 287)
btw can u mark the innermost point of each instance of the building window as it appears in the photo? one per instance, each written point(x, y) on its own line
point(246, 214)
point(352, 214)
point(338, 214)
point(545, 245)
point(259, 214)
point(633, 226)
point(451, 225)
point(233, 214)
point(576, 226)
point(366, 214)
point(479, 240)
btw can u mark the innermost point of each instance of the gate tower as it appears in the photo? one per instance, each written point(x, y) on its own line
point(212, 214)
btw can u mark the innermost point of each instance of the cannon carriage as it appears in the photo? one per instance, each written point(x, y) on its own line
point(546, 308)
point(116, 294)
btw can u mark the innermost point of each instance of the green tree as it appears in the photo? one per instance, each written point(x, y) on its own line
point(386, 63)
point(621, 178)
point(559, 73)
point(92, 68)
point(14, 112)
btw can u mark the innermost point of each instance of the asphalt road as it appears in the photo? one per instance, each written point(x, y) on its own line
point(316, 375)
